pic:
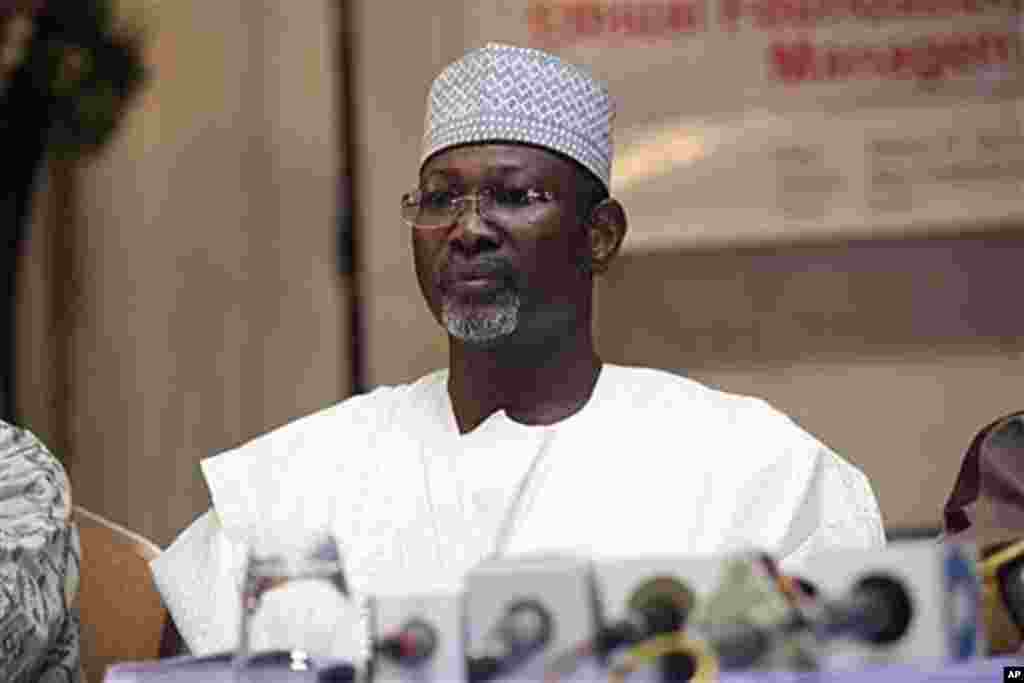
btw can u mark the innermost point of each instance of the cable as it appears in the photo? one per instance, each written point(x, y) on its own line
point(647, 652)
point(566, 663)
point(1002, 597)
point(991, 564)
point(657, 606)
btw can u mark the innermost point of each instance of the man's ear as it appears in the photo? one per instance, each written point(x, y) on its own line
point(607, 226)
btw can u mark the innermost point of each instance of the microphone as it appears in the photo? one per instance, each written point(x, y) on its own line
point(878, 611)
point(657, 606)
point(523, 631)
point(412, 646)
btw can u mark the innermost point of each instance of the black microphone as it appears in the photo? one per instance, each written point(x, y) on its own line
point(878, 611)
point(739, 645)
point(657, 606)
point(523, 631)
point(412, 646)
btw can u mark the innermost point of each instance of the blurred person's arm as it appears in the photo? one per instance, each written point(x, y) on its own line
point(39, 564)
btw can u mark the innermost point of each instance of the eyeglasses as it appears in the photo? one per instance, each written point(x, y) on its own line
point(441, 208)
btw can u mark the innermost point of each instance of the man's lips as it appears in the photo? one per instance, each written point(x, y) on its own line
point(474, 278)
point(477, 284)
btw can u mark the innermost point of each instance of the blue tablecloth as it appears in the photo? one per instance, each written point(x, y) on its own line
point(216, 670)
point(980, 671)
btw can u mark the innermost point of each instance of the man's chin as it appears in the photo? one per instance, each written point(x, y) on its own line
point(480, 324)
point(480, 343)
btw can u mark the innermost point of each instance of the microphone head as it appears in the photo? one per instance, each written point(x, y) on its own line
point(414, 644)
point(525, 627)
point(888, 606)
point(661, 604)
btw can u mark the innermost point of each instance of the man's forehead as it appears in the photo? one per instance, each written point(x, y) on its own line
point(496, 158)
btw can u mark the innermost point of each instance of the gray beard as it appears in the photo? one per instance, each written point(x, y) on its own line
point(482, 322)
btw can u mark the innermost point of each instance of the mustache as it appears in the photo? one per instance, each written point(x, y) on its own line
point(453, 270)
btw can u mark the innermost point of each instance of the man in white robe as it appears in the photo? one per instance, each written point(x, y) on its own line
point(528, 441)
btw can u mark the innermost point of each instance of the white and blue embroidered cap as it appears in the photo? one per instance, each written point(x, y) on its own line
point(517, 94)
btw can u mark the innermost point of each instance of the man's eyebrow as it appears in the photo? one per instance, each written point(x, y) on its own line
point(443, 172)
point(498, 170)
point(526, 173)
point(500, 167)
point(510, 167)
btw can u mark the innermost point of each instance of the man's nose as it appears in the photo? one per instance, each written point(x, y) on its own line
point(472, 232)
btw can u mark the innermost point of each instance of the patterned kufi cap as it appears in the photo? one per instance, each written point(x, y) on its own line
point(516, 94)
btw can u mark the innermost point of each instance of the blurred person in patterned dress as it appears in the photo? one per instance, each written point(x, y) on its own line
point(39, 564)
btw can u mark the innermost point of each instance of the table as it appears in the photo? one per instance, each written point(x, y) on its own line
point(217, 670)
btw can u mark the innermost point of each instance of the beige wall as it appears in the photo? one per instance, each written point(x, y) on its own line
point(893, 352)
point(34, 343)
point(210, 308)
point(393, 61)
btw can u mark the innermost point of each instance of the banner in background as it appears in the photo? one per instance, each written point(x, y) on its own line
point(760, 120)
